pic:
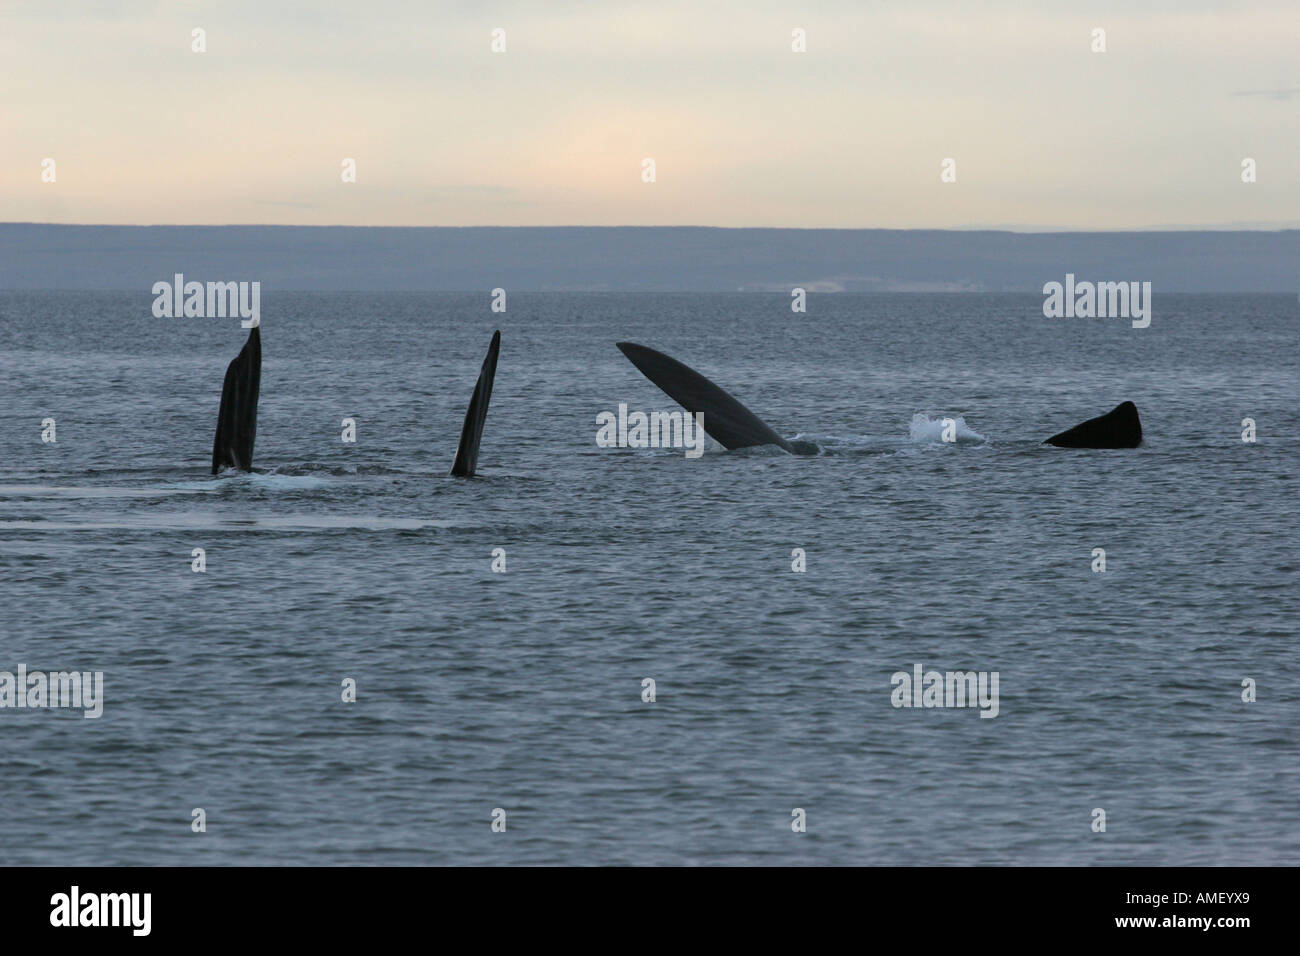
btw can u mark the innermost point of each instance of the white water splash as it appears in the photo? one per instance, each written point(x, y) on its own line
point(927, 429)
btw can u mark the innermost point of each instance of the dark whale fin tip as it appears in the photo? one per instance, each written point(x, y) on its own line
point(730, 423)
point(237, 418)
point(1118, 428)
point(471, 432)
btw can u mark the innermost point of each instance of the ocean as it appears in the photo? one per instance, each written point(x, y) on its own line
point(484, 694)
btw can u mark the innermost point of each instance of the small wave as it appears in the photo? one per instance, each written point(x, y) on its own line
point(213, 522)
point(70, 491)
point(822, 445)
point(260, 480)
point(927, 429)
point(346, 470)
point(753, 451)
point(275, 481)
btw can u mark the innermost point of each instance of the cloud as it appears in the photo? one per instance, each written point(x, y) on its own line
point(1269, 94)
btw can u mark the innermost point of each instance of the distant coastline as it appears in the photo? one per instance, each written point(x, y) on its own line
point(639, 258)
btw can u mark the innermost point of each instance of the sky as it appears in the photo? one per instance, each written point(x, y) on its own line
point(1044, 133)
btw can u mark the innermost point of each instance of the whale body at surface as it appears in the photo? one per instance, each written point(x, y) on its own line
point(1118, 428)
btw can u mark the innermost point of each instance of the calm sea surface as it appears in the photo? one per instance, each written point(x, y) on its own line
point(522, 690)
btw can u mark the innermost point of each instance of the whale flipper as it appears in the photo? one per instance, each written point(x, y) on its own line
point(237, 418)
point(1118, 428)
point(472, 432)
point(731, 424)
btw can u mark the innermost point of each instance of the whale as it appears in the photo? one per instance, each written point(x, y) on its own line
point(232, 447)
point(471, 433)
point(1118, 428)
point(726, 420)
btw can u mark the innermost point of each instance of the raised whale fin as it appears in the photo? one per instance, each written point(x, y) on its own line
point(237, 419)
point(1118, 428)
point(731, 424)
point(472, 432)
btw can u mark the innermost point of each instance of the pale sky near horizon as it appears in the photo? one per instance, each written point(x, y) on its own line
point(1045, 133)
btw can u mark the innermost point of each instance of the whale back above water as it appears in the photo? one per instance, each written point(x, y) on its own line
point(730, 423)
point(471, 432)
point(237, 417)
point(1118, 428)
